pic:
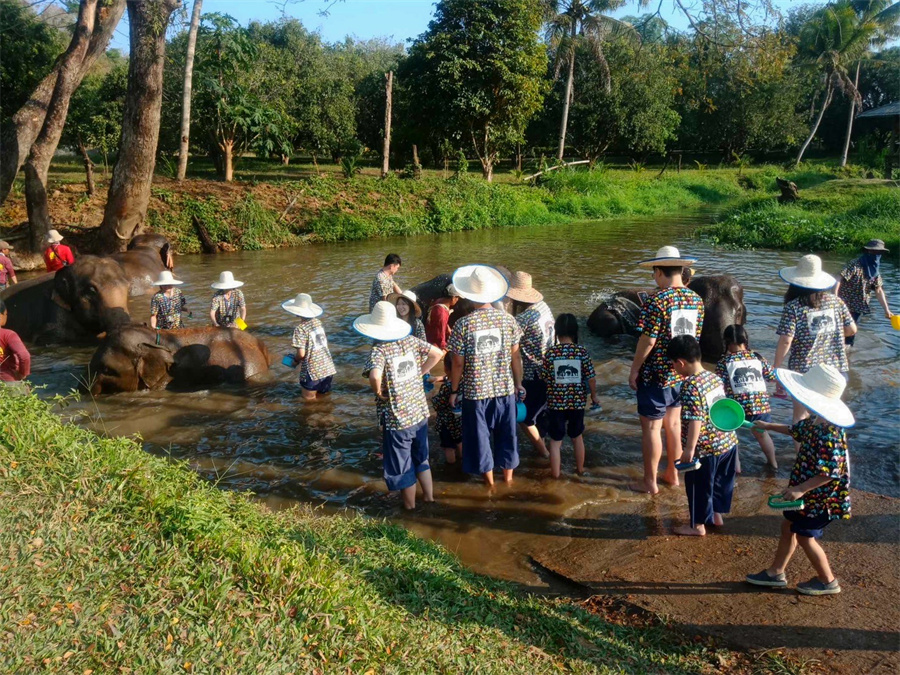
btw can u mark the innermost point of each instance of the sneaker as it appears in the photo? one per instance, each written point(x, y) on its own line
point(816, 587)
point(763, 579)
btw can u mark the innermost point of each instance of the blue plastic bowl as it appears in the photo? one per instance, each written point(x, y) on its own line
point(521, 411)
point(290, 360)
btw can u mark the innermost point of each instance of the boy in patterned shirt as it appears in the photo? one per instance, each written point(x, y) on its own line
point(709, 488)
point(316, 367)
point(567, 367)
point(820, 476)
point(448, 423)
point(383, 284)
point(167, 305)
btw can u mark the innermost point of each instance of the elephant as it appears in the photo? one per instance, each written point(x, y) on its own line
point(618, 315)
point(136, 357)
point(429, 291)
point(146, 257)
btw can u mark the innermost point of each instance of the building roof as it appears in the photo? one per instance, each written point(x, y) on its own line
point(889, 110)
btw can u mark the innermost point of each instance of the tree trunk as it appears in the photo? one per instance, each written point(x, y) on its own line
point(228, 159)
point(129, 190)
point(570, 80)
point(388, 102)
point(88, 168)
point(186, 96)
point(28, 121)
point(825, 102)
point(850, 117)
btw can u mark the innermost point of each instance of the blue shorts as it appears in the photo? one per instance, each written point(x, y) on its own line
point(764, 417)
point(405, 455)
point(535, 400)
point(485, 420)
point(448, 439)
point(558, 420)
point(652, 402)
point(322, 386)
point(807, 526)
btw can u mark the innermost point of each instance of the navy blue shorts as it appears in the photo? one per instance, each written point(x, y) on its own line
point(405, 455)
point(485, 420)
point(764, 417)
point(710, 489)
point(322, 386)
point(535, 400)
point(448, 439)
point(559, 420)
point(652, 402)
point(807, 526)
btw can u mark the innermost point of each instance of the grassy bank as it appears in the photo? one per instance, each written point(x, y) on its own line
point(117, 561)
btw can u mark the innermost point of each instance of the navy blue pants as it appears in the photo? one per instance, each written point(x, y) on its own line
point(711, 487)
point(405, 455)
point(850, 340)
point(485, 420)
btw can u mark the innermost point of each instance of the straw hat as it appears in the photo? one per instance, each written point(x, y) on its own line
point(480, 283)
point(382, 324)
point(226, 282)
point(520, 289)
point(808, 273)
point(668, 256)
point(6, 245)
point(303, 306)
point(53, 237)
point(820, 390)
point(166, 279)
point(409, 295)
point(874, 245)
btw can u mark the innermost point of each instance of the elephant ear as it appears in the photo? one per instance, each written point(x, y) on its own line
point(64, 288)
point(153, 364)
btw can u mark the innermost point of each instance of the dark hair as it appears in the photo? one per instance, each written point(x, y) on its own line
point(736, 335)
point(669, 271)
point(392, 259)
point(2, 307)
point(684, 347)
point(411, 320)
point(567, 326)
point(807, 296)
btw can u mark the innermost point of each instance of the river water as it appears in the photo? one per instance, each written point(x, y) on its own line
point(262, 438)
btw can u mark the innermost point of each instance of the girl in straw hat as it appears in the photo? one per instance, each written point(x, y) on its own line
point(859, 279)
point(167, 304)
point(228, 303)
point(316, 367)
point(820, 477)
point(408, 309)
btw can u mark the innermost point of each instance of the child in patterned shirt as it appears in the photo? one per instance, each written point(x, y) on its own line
point(448, 423)
point(316, 367)
point(569, 374)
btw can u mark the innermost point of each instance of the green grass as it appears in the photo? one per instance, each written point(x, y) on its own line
point(117, 561)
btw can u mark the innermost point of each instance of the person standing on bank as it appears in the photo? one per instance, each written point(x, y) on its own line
point(487, 374)
point(228, 303)
point(383, 284)
point(167, 304)
point(671, 311)
point(536, 321)
point(408, 309)
point(316, 367)
point(859, 279)
point(7, 271)
point(56, 255)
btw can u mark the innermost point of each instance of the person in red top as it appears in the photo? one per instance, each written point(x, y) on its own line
point(56, 255)
point(15, 361)
point(437, 326)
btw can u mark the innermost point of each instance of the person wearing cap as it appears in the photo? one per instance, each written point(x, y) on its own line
point(437, 324)
point(820, 476)
point(15, 361)
point(671, 311)
point(383, 284)
point(7, 271)
point(487, 374)
point(536, 321)
point(168, 303)
point(408, 309)
point(316, 367)
point(395, 368)
point(859, 279)
point(56, 255)
point(228, 303)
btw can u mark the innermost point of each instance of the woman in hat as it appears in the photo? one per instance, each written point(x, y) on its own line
point(316, 367)
point(408, 309)
point(56, 255)
point(167, 304)
point(859, 279)
point(227, 304)
point(395, 368)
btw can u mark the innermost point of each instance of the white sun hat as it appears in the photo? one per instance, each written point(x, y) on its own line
point(808, 273)
point(303, 306)
point(226, 282)
point(166, 279)
point(382, 324)
point(668, 256)
point(820, 390)
point(53, 237)
point(451, 291)
point(480, 283)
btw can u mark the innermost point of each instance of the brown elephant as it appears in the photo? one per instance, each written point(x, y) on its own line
point(135, 357)
point(146, 257)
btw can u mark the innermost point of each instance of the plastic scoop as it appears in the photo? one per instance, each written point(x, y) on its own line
point(688, 466)
point(290, 360)
point(427, 384)
point(777, 502)
point(240, 323)
point(727, 415)
point(895, 322)
point(521, 411)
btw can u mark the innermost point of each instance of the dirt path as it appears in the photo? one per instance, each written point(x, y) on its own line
point(697, 583)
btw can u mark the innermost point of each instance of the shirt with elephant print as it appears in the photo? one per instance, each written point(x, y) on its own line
point(485, 339)
point(310, 337)
point(818, 333)
point(698, 393)
point(668, 313)
point(419, 330)
point(745, 374)
point(382, 286)
point(168, 309)
point(856, 288)
point(403, 402)
point(566, 369)
point(537, 324)
point(823, 452)
point(446, 419)
point(228, 308)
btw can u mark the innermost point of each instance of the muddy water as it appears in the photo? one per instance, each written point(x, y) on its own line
point(262, 438)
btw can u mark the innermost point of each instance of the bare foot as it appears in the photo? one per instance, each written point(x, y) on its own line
point(643, 489)
point(671, 479)
point(688, 531)
point(718, 521)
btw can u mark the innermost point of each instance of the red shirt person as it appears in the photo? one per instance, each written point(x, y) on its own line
point(437, 325)
point(56, 255)
point(15, 361)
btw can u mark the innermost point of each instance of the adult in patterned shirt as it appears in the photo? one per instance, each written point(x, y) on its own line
point(383, 284)
point(709, 488)
point(316, 367)
point(487, 374)
point(859, 279)
point(167, 304)
point(820, 476)
point(395, 368)
point(671, 311)
point(228, 304)
point(408, 309)
point(536, 321)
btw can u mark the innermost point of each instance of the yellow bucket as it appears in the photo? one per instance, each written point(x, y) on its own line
point(895, 321)
point(240, 323)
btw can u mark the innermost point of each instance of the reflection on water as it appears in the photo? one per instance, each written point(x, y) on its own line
point(262, 438)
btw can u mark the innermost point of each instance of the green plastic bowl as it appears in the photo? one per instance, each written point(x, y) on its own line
point(727, 415)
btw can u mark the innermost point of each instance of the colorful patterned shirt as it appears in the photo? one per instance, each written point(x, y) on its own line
point(400, 363)
point(856, 287)
point(484, 338)
point(445, 417)
point(310, 337)
point(668, 313)
point(566, 369)
point(419, 330)
point(382, 286)
point(537, 324)
point(698, 393)
point(818, 334)
point(227, 309)
point(823, 452)
point(745, 374)
point(168, 309)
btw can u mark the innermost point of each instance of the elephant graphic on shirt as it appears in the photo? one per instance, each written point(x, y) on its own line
point(683, 326)
point(822, 323)
point(405, 369)
point(487, 342)
point(567, 371)
point(746, 375)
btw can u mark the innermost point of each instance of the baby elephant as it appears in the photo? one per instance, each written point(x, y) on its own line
point(134, 358)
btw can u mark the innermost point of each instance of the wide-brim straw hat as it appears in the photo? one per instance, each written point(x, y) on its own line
point(480, 283)
point(53, 237)
point(522, 290)
point(303, 306)
point(808, 274)
point(819, 390)
point(226, 282)
point(166, 279)
point(408, 295)
point(875, 246)
point(382, 324)
point(6, 244)
point(668, 256)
